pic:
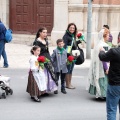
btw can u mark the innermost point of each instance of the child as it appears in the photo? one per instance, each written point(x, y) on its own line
point(59, 59)
point(36, 79)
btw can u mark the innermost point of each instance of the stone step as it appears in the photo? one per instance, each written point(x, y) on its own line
point(29, 39)
point(26, 39)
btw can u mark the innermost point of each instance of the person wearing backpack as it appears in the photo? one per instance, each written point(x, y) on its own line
point(2, 44)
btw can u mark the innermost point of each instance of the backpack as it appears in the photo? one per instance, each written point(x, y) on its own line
point(8, 36)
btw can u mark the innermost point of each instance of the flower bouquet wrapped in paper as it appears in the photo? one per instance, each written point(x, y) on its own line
point(42, 60)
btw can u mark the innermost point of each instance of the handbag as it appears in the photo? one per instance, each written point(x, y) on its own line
point(79, 54)
point(80, 59)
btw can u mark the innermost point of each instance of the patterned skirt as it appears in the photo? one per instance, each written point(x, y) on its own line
point(32, 87)
point(103, 87)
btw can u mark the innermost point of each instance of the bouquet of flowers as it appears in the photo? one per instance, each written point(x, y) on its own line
point(81, 37)
point(42, 60)
point(70, 60)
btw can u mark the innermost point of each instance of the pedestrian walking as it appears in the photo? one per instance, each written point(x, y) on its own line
point(36, 80)
point(59, 59)
point(113, 89)
point(2, 44)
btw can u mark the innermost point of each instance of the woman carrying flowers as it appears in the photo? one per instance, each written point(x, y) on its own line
point(41, 41)
point(36, 79)
point(70, 44)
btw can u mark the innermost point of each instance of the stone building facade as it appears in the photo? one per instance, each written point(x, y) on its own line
point(64, 12)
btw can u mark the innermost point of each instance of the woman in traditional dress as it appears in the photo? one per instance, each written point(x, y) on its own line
point(41, 41)
point(98, 70)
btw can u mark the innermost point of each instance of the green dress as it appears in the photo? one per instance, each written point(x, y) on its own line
point(103, 87)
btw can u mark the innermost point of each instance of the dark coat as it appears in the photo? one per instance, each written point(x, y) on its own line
point(2, 31)
point(59, 61)
point(44, 48)
point(45, 52)
point(68, 40)
point(113, 55)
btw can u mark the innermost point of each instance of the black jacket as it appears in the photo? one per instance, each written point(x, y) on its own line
point(45, 52)
point(2, 31)
point(113, 55)
point(68, 40)
point(44, 48)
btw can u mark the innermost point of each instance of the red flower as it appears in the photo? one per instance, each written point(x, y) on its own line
point(79, 35)
point(70, 58)
point(41, 59)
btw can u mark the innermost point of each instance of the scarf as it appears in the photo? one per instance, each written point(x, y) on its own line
point(73, 37)
point(61, 50)
point(70, 33)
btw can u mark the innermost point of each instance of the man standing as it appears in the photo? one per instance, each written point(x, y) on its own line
point(113, 90)
point(2, 44)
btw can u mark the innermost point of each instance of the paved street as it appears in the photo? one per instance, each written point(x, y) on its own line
point(75, 105)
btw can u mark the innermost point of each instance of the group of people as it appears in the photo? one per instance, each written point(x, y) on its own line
point(44, 80)
point(104, 72)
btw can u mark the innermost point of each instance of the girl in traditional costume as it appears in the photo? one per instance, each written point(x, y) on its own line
point(36, 80)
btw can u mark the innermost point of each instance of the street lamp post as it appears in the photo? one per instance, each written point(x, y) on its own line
point(89, 28)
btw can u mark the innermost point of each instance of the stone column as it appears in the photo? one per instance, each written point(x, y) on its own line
point(75, 1)
point(114, 21)
point(4, 12)
point(95, 24)
point(76, 15)
point(60, 19)
point(102, 16)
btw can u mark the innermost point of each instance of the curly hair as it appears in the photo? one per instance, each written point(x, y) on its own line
point(69, 25)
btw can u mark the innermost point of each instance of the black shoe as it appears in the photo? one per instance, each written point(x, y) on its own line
point(63, 91)
point(56, 92)
point(36, 99)
point(32, 97)
point(101, 98)
point(45, 95)
point(5, 66)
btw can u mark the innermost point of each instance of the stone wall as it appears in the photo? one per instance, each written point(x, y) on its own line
point(109, 2)
point(103, 13)
point(66, 11)
point(4, 12)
